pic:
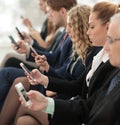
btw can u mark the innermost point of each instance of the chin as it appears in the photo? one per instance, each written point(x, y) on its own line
point(113, 63)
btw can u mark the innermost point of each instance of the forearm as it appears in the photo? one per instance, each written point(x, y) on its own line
point(41, 42)
point(72, 88)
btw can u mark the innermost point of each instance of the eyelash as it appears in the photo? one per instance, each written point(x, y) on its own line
point(91, 27)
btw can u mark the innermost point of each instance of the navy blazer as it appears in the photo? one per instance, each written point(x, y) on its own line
point(75, 112)
point(58, 60)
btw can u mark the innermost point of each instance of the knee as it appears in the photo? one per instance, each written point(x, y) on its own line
point(20, 121)
point(24, 81)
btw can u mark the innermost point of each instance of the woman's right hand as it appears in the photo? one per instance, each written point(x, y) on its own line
point(38, 101)
point(38, 78)
point(23, 47)
point(27, 22)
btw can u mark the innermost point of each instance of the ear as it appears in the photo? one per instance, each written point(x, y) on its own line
point(63, 11)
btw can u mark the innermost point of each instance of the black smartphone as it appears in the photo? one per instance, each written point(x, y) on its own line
point(22, 17)
point(14, 42)
point(34, 51)
point(18, 31)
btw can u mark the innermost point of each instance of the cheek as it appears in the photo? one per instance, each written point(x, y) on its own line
point(99, 38)
point(114, 57)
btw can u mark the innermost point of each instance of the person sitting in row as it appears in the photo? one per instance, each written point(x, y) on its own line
point(83, 51)
point(58, 59)
point(106, 110)
point(49, 39)
point(79, 114)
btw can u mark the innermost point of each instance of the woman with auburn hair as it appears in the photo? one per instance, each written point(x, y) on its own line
point(74, 28)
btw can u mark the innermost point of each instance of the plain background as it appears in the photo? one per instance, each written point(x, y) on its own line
point(10, 12)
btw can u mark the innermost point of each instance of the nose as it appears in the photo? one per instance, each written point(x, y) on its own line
point(88, 32)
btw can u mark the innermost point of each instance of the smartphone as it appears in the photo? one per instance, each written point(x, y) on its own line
point(22, 93)
point(34, 51)
point(18, 31)
point(14, 42)
point(21, 17)
point(26, 70)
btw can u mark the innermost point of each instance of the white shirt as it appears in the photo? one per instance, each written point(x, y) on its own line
point(102, 56)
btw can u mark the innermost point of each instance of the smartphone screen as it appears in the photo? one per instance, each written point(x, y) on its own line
point(22, 93)
point(13, 41)
point(22, 37)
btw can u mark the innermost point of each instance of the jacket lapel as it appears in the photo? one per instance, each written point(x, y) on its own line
point(102, 92)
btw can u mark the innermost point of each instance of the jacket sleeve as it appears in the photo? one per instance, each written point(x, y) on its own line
point(73, 87)
point(71, 112)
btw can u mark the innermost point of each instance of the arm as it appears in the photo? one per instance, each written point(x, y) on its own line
point(73, 111)
point(73, 87)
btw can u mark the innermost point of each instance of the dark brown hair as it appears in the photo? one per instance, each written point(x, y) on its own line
point(58, 4)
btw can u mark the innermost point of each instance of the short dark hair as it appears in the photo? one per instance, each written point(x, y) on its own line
point(58, 4)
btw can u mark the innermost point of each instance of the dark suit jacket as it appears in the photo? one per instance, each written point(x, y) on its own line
point(106, 109)
point(57, 60)
point(75, 112)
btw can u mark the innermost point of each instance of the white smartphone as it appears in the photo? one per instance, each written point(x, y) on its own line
point(22, 93)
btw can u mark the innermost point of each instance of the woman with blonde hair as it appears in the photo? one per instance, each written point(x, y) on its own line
point(82, 49)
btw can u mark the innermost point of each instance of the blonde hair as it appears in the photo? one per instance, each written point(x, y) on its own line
point(79, 16)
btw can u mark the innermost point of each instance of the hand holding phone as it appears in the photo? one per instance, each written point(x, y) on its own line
point(27, 71)
point(34, 51)
point(22, 93)
point(14, 42)
point(22, 37)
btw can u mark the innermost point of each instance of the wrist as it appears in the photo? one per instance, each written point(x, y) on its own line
point(45, 103)
point(47, 68)
point(46, 81)
point(50, 106)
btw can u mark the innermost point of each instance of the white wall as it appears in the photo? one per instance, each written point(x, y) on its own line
point(10, 12)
